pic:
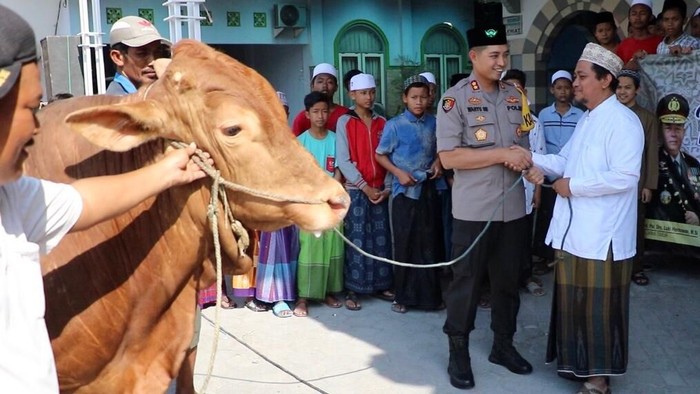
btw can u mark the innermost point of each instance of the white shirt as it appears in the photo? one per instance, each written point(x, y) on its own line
point(35, 215)
point(602, 160)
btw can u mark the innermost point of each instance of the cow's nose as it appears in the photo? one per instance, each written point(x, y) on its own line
point(340, 204)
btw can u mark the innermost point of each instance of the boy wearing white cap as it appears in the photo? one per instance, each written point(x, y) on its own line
point(367, 223)
point(558, 123)
point(594, 227)
point(640, 41)
point(134, 44)
point(432, 89)
point(560, 118)
point(324, 79)
point(37, 214)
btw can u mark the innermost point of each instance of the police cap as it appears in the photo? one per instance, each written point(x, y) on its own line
point(673, 108)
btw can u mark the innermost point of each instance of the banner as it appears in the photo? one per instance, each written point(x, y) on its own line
point(665, 227)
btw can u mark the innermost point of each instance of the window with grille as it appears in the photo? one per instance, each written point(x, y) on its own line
point(444, 54)
point(362, 47)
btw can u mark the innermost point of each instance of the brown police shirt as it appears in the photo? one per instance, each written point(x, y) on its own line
point(469, 117)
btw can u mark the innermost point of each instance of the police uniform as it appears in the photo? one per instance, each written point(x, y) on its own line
point(470, 117)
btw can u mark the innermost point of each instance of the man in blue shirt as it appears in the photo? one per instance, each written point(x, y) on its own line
point(558, 122)
point(135, 44)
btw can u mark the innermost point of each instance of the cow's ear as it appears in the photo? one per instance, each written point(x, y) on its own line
point(119, 127)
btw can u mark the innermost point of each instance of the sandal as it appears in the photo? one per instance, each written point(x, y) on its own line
point(485, 301)
point(226, 303)
point(589, 388)
point(351, 302)
point(534, 288)
point(542, 268)
point(302, 308)
point(256, 306)
point(398, 308)
point(281, 309)
point(640, 278)
point(332, 302)
point(386, 295)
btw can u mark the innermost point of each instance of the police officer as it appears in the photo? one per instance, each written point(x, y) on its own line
point(478, 120)
point(677, 196)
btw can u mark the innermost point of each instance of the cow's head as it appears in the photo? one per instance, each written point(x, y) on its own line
point(233, 113)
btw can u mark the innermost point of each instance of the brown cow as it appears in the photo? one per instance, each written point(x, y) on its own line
point(121, 296)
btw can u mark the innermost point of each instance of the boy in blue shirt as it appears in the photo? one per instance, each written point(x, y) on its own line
point(407, 149)
point(558, 123)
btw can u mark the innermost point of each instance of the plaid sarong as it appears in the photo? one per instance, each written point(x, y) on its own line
point(588, 332)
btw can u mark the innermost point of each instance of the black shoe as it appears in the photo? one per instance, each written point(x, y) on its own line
point(459, 367)
point(507, 356)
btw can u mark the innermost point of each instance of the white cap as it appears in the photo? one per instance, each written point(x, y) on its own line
point(642, 2)
point(429, 76)
point(283, 98)
point(324, 68)
point(561, 74)
point(596, 54)
point(362, 81)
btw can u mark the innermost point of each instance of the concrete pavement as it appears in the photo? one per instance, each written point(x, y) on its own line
point(375, 350)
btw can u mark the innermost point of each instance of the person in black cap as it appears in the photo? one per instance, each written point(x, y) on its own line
point(478, 120)
point(36, 214)
point(606, 31)
point(677, 196)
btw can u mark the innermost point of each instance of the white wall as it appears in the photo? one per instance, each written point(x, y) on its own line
point(41, 15)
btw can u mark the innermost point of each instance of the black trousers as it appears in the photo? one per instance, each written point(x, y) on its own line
point(544, 217)
point(499, 252)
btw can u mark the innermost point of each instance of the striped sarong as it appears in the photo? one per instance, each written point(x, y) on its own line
point(277, 266)
point(588, 332)
point(320, 268)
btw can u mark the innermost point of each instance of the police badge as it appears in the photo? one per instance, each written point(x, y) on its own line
point(665, 197)
point(448, 103)
point(481, 134)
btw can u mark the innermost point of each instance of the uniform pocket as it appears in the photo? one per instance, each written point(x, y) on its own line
point(481, 130)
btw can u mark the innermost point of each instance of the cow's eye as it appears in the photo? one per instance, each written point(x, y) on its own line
point(232, 131)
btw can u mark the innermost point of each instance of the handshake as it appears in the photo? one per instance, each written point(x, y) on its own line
point(518, 158)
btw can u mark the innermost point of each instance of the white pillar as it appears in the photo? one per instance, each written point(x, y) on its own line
point(85, 45)
point(184, 11)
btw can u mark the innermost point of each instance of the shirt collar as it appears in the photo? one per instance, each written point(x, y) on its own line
point(125, 83)
point(413, 118)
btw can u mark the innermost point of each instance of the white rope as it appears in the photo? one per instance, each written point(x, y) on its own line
point(443, 263)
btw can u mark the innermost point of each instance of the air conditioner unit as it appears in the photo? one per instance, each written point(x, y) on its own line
point(289, 15)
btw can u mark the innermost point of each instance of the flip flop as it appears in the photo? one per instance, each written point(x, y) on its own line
point(386, 295)
point(281, 309)
point(332, 302)
point(302, 308)
point(351, 302)
point(398, 308)
point(640, 278)
point(535, 289)
point(256, 306)
point(226, 303)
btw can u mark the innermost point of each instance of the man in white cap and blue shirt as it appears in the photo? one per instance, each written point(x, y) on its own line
point(558, 123)
point(593, 227)
point(324, 79)
point(134, 44)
